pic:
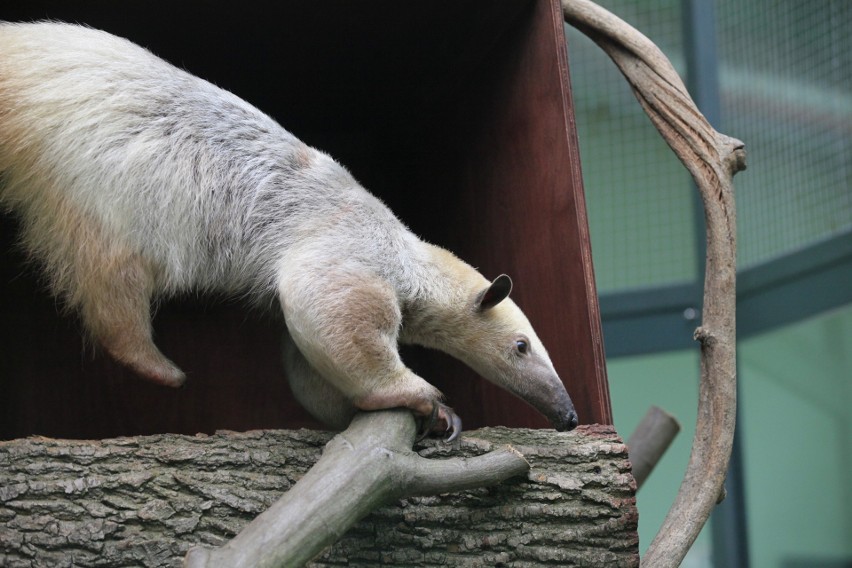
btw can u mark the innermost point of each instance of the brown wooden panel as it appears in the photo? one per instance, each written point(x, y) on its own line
point(523, 209)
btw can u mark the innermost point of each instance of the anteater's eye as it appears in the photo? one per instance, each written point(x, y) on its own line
point(522, 346)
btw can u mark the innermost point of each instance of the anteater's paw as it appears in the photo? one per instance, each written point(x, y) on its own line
point(442, 420)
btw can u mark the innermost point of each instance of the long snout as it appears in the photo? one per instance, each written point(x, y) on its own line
point(546, 393)
point(563, 417)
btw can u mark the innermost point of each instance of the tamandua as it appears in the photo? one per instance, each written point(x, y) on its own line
point(136, 180)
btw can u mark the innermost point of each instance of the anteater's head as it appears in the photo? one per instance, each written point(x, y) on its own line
point(504, 348)
point(480, 325)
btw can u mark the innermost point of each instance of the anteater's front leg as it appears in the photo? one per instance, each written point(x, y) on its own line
point(345, 326)
point(116, 309)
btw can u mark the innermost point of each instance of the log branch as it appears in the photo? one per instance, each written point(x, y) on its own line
point(712, 159)
point(649, 442)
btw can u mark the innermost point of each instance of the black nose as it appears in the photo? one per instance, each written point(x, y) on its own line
point(568, 423)
point(572, 421)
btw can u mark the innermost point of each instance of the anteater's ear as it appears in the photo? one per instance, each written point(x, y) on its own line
point(495, 293)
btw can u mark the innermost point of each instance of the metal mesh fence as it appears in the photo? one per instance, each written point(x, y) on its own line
point(786, 88)
point(638, 194)
point(785, 72)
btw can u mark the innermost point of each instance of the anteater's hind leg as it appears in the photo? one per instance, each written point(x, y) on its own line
point(115, 304)
point(98, 274)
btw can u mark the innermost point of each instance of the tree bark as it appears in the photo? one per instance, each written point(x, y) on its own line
point(712, 159)
point(146, 501)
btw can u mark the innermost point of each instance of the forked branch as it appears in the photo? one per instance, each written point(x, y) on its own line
point(712, 159)
point(368, 465)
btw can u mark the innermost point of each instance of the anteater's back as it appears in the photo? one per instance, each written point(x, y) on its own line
point(99, 137)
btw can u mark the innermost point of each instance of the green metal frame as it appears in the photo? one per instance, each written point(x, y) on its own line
point(781, 291)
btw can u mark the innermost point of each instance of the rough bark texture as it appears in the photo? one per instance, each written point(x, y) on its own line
point(145, 501)
point(368, 465)
point(712, 159)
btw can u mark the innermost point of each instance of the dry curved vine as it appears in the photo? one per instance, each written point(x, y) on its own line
point(712, 159)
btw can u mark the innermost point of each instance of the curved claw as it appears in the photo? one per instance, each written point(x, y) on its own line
point(452, 420)
point(455, 424)
point(442, 412)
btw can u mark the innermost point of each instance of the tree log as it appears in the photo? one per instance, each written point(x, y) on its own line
point(145, 501)
point(713, 159)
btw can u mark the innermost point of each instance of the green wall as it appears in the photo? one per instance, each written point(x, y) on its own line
point(669, 381)
point(796, 424)
point(796, 392)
